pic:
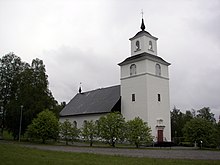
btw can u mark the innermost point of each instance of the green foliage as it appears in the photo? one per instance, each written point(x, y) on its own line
point(111, 127)
point(68, 131)
point(178, 120)
point(27, 85)
point(199, 129)
point(205, 113)
point(89, 131)
point(65, 130)
point(218, 134)
point(44, 127)
point(138, 132)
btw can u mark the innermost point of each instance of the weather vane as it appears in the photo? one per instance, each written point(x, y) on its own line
point(142, 13)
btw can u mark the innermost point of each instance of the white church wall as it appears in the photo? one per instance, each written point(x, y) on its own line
point(140, 69)
point(158, 109)
point(138, 108)
point(81, 118)
point(151, 68)
point(144, 45)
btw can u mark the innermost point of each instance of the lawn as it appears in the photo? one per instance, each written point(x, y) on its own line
point(14, 154)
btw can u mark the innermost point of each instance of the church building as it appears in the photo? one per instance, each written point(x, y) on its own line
point(143, 92)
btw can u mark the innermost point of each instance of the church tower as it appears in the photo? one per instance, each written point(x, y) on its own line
point(145, 85)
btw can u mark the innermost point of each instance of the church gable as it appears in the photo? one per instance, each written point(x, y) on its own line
point(102, 100)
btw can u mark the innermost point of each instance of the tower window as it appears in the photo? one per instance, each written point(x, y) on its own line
point(137, 44)
point(150, 45)
point(158, 97)
point(133, 97)
point(133, 69)
point(158, 70)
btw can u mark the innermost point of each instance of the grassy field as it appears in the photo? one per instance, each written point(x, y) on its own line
point(13, 154)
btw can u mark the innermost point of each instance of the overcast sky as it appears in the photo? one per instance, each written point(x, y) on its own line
point(83, 41)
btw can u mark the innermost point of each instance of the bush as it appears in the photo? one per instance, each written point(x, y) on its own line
point(44, 127)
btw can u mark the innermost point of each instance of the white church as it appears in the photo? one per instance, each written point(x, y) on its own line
point(144, 91)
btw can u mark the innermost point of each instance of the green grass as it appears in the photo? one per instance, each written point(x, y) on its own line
point(14, 154)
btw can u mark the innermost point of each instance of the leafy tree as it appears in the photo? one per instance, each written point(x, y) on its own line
point(89, 131)
point(27, 85)
point(199, 129)
point(178, 120)
point(205, 113)
point(138, 132)
point(10, 67)
point(111, 127)
point(74, 133)
point(45, 126)
point(217, 137)
point(66, 130)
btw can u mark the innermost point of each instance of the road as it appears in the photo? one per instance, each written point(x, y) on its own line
point(173, 153)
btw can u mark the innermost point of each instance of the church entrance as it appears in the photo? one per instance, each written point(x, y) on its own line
point(159, 135)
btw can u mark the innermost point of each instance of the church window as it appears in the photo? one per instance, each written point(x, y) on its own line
point(137, 44)
point(150, 45)
point(158, 97)
point(85, 122)
point(133, 97)
point(158, 70)
point(75, 124)
point(133, 69)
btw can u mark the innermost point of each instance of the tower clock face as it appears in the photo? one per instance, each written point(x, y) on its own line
point(137, 44)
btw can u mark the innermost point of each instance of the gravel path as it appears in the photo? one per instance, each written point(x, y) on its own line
point(150, 153)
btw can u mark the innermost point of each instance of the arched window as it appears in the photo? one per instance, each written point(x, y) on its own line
point(137, 44)
point(150, 45)
point(85, 122)
point(158, 70)
point(133, 70)
point(75, 124)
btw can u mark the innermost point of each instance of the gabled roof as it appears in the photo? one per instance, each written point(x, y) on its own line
point(143, 56)
point(93, 102)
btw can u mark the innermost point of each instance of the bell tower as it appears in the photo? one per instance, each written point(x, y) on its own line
point(143, 41)
point(145, 85)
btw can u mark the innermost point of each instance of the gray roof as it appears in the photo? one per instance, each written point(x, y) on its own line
point(143, 33)
point(93, 102)
point(143, 56)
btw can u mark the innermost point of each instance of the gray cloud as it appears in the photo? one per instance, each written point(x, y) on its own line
point(84, 41)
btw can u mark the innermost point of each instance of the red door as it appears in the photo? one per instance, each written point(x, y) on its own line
point(160, 136)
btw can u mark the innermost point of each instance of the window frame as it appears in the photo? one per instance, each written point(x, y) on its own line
point(150, 46)
point(133, 69)
point(158, 69)
point(159, 97)
point(133, 98)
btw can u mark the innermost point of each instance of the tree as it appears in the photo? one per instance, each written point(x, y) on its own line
point(217, 137)
point(89, 131)
point(74, 133)
point(10, 67)
point(66, 131)
point(45, 126)
point(111, 127)
point(26, 85)
point(205, 113)
point(138, 132)
point(199, 129)
point(178, 120)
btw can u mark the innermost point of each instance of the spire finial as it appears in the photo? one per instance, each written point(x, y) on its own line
point(80, 89)
point(142, 23)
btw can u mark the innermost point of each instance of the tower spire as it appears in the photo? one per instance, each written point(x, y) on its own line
point(142, 22)
point(80, 88)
